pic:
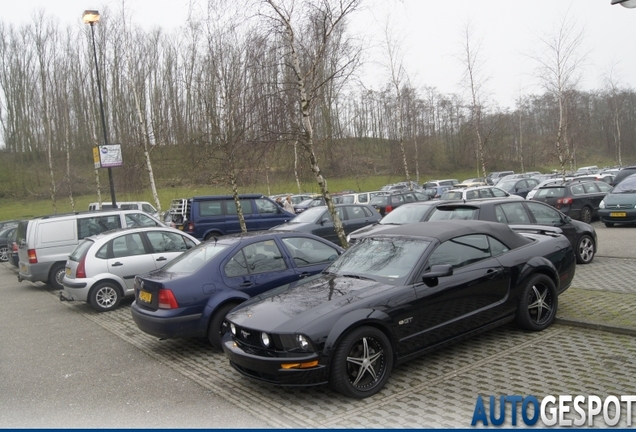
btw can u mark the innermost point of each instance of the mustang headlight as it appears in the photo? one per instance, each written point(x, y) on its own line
point(265, 339)
point(296, 343)
point(233, 329)
point(602, 204)
point(302, 342)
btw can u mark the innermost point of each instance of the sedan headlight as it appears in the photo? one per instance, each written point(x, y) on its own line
point(602, 204)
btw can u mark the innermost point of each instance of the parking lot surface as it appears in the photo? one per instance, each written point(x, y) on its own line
point(64, 365)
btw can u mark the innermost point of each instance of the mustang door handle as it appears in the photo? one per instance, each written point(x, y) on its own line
point(491, 273)
point(246, 284)
point(162, 259)
point(117, 264)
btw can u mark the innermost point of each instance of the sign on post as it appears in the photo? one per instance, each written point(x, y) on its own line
point(107, 156)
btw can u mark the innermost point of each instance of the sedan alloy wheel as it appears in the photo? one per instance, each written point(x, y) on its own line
point(585, 250)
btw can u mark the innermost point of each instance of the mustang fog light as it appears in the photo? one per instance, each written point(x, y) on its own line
point(265, 339)
point(302, 341)
point(233, 329)
point(304, 365)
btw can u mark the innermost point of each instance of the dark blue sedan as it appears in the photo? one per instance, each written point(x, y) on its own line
point(191, 295)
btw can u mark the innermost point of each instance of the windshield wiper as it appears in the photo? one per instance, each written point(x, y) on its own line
point(355, 276)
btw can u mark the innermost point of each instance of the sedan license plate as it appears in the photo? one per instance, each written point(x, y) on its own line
point(145, 296)
point(618, 214)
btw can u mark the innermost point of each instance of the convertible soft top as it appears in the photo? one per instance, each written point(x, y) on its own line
point(447, 229)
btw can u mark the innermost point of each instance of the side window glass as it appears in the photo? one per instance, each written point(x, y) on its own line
point(604, 187)
point(96, 225)
point(461, 251)
point(515, 213)
point(148, 208)
point(266, 206)
point(590, 188)
point(128, 245)
point(210, 208)
point(485, 193)
point(139, 220)
point(264, 257)
point(102, 253)
point(363, 198)
point(498, 192)
point(166, 241)
point(496, 247)
point(236, 266)
point(544, 215)
point(306, 251)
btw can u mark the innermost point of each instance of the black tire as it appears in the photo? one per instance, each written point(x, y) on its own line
point(5, 253)
point(56, 274)
point(586, 215)
point(538, 303)
point(361, 344)
point(217, 329)
point(609, 224)
point(105, 296)
point(585, 250)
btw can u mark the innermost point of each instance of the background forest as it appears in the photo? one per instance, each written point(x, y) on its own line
point(218, 104)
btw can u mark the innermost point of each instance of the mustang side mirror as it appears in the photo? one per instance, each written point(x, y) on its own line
point(439, 270)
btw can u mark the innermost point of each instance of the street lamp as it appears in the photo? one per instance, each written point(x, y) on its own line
point(91, 17)
point(625, 3)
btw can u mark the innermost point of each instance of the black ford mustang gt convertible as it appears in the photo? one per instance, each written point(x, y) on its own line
point(397, 295)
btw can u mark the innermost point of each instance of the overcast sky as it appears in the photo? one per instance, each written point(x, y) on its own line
point(430, 32)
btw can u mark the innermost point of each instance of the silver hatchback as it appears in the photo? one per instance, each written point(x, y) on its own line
point(101, 270)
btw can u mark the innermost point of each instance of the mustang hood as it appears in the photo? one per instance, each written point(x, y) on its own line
point(297, 305)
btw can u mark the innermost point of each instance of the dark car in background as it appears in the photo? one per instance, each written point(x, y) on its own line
point(394, 296)
point(435, 192)
point(317, 220)
point(6, 236)
point(190, 296)
point(623, 174)
point(581, 235)
point(619, 205)
point(577, 199)
point(518, 186)
point(388, 202)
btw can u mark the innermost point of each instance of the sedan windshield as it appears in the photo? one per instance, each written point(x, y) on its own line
point(392, 258)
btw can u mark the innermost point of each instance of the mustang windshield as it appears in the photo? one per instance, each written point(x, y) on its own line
point(393, 258)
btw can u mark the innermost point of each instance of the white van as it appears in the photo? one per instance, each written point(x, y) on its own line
point(44, 243)
point(127, 205)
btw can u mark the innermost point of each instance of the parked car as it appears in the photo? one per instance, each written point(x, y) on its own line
point(471, 182)
point(126, 205)
point(359, 197)
point(592, 169)
point(435, 192)
point(395, 296)
point(44, 243)
point(388, 202)
point(581, 235)
point(579, 200)
point(394, 187)
point(493, 177)
point(317, 220)
point(435, 183)
point(317, 202)
point(619, 205)
point(545, 182)
point(8, 223)
point(206, 217)
point(191, 295)
point(102, 268)
point(478, 192)
point(520, 186)
point(5, 243)
point(405, 214)
point(623, 174)
point(14, 257)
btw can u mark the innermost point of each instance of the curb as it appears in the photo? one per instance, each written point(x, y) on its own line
point(595, 326)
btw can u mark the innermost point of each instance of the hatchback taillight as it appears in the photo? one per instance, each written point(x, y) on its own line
point(167, 299)
point(190, 228)
point(565, 201)
point(14, 247)
point(80, 272)
point(33, 258)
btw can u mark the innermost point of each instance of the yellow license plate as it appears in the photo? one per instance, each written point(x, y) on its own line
point(68, 271)
point(23, 268)
point(618, 214)
point(145, 296)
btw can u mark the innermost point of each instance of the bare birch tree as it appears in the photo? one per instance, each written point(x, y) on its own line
point(559, 71)
point(617, 106)
point(308, 30)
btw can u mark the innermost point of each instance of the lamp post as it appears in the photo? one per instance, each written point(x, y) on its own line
point(91, 17)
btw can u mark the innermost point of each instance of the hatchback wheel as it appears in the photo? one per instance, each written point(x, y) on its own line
point(105, 296)
point(4, 253)
point(586, 215)
point(538, 304)
point(585, 250)
point(56, 275)
point(362, 363)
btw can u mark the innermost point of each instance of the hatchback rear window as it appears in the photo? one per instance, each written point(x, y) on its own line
point(80, 250)
point(549, 192)
point(454, 213)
